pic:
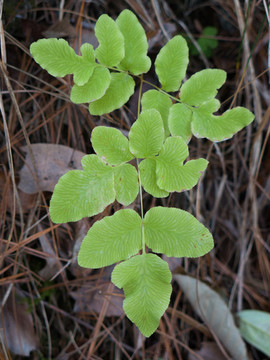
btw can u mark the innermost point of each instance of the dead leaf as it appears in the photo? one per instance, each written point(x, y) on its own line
point(173, 262)
point(87, 36)
point(53, 264)
point(90, 299)
point(27, 201)
point(60, 29)
point(17, 327)
point(208, 351)
point(52, 161)
point(213, 310)
point(81, 228)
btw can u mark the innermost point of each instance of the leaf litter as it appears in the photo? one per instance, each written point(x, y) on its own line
point(232, 159)
point(15, 319)
point(51, 161)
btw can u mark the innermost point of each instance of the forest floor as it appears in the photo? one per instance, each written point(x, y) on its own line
point(50, 307)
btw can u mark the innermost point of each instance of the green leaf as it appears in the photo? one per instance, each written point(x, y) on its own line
point(174, 150)
point(213, 310)
point(126, 183)
point(206, 42)
point(202, 86)
point(111, 49)
point(209, 106)
point(111, 145)
point(209, 31)
point(179, 121)
point(147, 169)
point(154, 99)
point(146, 282)
point(85, 65)
point(146, 134)
point(255, 329)
point(171, 63)
point(176, 232)
point(94, 89)
point(120, 90)
point(112, 239)
point(83, 193)
point(59, 59)
point(54, 55)
point(136, 61)
point(172, 175)
point(219, 128)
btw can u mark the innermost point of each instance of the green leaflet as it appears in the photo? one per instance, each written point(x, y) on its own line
point(111, 49)
point(176, 232)
point(219, 128)
point(154, 99)
point(174, 151)
point(147, 169)
point(117, 94)
point(126, 183)
point(59, 59)
point(111, 145)
point(94, 89)
point(202, 86)
point(83, 193)
point(146, 282)
point(209, 106)
point(85, 66)
point(206, 42)
point(171, 63)
point(179, 121)
point(172, 175)
point(112, 239)
point(254, 327)
point(146, 134)
point(136, 61)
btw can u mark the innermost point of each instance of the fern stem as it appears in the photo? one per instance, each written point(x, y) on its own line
point(140, 183)
point(141, 201)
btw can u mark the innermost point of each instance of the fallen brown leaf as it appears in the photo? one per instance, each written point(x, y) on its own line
point(208, 351)
point(60, 29)
point(173, 262)
point(17, 326)
point(27, 201)
point(53, 264)
point(52, 161)
point(90, 299)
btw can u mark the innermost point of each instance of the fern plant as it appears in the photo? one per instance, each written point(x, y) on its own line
point(104, 78)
